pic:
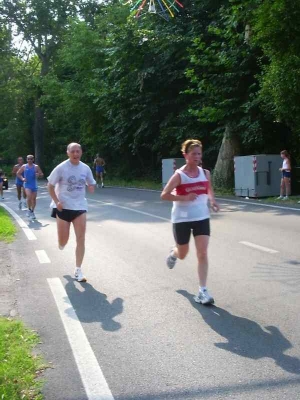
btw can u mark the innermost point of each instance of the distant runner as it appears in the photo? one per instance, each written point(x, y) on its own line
point(20, 183)
point(99, 165)
point(31, 173)
point(67, 186)
point(285, 184)
point(1, 184)
point(190, 188)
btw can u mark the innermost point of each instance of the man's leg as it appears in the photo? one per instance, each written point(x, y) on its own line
point(63, 232)
point(33, 200)
point(1, 190)
point(97, 178)
point(19, 192)
point(28, 197)
point(24, 193)
point(79, 224)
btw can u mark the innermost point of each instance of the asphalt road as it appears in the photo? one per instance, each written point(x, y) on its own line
point(138, 319)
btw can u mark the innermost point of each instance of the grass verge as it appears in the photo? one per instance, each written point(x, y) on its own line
point(19, 369)
point(135, 183)
point(7, 228)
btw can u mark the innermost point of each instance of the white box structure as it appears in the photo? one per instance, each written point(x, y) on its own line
point(257, 175)
point(169, 166)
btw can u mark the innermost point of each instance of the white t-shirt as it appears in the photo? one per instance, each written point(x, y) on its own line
point(70, 183)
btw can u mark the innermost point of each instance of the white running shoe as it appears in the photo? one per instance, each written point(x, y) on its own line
point(280, 198)
point(79, 275)
point(20, 205)
point(286, 198)
point(171, 260)
point(204, 297)
point(32, 215)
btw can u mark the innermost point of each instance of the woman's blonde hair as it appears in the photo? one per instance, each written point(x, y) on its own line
point(286, 154)
point(190, 144)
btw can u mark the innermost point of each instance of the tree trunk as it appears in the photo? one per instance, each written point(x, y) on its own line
point(223, 176)
point(39, 121)
point(38, 135)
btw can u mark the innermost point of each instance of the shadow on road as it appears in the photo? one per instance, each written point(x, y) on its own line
point(93, 306)
point(36, 225)
point(246, 338)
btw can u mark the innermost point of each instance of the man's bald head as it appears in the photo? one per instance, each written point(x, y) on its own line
point(71, 145)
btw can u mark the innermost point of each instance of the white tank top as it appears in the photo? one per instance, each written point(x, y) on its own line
point(197, 210)
point(285, 165)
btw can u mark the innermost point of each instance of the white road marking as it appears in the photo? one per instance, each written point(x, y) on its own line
point(130, 209)
point(28, 232)
point(252, 203)
point(93, 380)
point(258, 204)
point(42, 257)
point(257, 247)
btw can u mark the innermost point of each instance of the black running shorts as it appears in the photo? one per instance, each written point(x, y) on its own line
point(67, 215)
point(182, 230)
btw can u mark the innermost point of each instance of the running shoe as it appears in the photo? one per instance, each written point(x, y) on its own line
point(280, 198)
point(204, 297)
point(20, 205)
point(79, 275)
point(28, 214)
point(102, 185)
point(171, 260)
point(32, 215)
point(286, 198)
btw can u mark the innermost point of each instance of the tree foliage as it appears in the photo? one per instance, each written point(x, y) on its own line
point(134, 89)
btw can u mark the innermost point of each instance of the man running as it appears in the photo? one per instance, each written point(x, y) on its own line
point(31, 173)
point(99, 165)
point(20, 183)
point(67, 186)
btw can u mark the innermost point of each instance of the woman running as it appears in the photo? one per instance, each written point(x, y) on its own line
point(285, 185)
point(190, 188)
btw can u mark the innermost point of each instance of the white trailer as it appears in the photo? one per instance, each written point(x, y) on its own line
point(257, 175)
point(169, 166)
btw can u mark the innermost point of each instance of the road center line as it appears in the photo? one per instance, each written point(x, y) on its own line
point(42, 257)
point(28, 232)
point(93, 380)
point(130, 209)
point(261, 248)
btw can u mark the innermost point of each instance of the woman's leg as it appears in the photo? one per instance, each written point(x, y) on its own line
point(180, 251)
point(201, 243)
point(287, 184)
point(282, 187)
